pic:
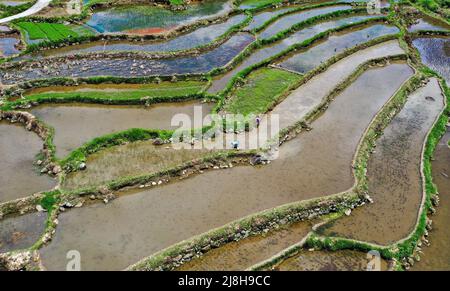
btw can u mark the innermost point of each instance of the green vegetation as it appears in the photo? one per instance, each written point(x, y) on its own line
point(49, 31)
point(262, 90)
point(8, 10)
point(151, 93)
point(49, 200)
point(252, 4)
point(118, 94)
point(176, 2)
point(441, 7)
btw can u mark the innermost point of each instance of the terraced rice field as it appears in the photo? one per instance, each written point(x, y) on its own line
point(226, 135)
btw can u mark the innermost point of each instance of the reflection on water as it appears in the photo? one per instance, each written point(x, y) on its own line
point(132, 67)
point(199, 37)
point(428, 23)
point(435, 53)
point(8, 46)
point(272, 50)
point(305, 61)
point(262, 17)
point(291, 19)
point(152, 19)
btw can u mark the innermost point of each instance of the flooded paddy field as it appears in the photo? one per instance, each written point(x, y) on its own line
point(435, 53)
point(345, 260)
point(129, 160)
point(437, 255)
point(9, 45)
point(91, 71)
point(249, 251)
point(115, 235)
point(287, 21)
point(262, 17)
point(259, 55)
point(21, 232)
point(129, 66)
point(12, 3)
point(429, 23)
point(76, 124)
point(394, 177)
point(305, 61)
point(19, 148)
point(141, 19)
point(198, 37)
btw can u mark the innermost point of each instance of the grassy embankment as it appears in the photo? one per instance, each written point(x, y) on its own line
point(440, 7)
point(262, 89)
point(258, 3)
point(120, 94)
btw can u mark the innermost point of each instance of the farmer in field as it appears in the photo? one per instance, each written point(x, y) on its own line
point(258, 121)
point(235, 144)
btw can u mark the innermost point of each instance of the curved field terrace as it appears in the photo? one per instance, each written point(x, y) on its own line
point(224, 135)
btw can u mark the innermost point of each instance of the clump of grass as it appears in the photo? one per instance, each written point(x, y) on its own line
point(262, 89)
point(176, 2)
point(49, 200)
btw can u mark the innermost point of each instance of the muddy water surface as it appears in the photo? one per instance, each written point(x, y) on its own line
point(131, 67)
point(437, 256)
point(345, 260)
point(18, 177)
point(261, 54)
point(22, 231)
point(250, 251)
point(309, 59)
point(394, 178)
point(319, 163)
point(435, 53)
point(152, 19)
point(76, 124)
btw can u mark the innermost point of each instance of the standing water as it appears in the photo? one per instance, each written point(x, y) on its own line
point(435, 53)
point(76, 124)
point(18, 177)
point(153, 19)
point(127, 229)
